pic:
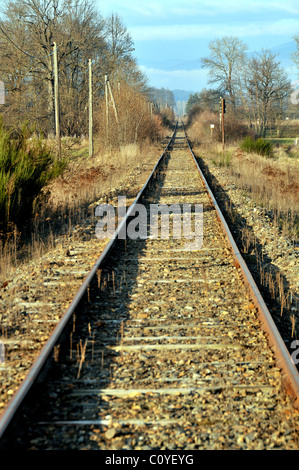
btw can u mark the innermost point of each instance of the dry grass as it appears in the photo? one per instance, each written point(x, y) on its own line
point(273, 183)
point(68, 199)
point(90, 178)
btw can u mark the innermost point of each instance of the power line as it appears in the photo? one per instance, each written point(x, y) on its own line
point(30, 55)
point(26, 53)
point(21, 50)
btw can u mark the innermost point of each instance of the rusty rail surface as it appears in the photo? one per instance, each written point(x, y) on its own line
point(38, 366)
point(289, 371)
point(290, 374)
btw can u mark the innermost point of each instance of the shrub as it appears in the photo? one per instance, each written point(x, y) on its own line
point(200, 131)
point(259, 146)
point(130, 122)
point(26, 166)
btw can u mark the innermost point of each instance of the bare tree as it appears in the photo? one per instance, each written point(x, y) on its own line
point(119, 42)
point(39, 18)
point(205, 100)
point(267, 87)
point(225, 62)
point(119, 61)
point(81, 39)
point(28, 33)
point(295, 55)
point(26, 42)
point(162, 97)
point(133, 122)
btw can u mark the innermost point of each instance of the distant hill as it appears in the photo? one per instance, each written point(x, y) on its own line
point(181, 95)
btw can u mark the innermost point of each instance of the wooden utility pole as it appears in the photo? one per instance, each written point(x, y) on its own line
point(2, 93)
point(56, 99)
point(223, 110)
point(107, 105)
point(90, 112)
point(108, 93)
point(113, 102)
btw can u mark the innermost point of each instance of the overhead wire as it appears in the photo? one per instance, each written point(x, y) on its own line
point(20, 49)
point(33, 56)
point(31, 66)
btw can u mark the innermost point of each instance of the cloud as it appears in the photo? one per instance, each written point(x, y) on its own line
point(254, 6)
point(170, 36)
point(287, 7)
point(284, 27)
point(148, 9)
point(181, 79)
point(159, 9)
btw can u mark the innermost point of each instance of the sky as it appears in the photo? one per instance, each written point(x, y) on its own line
point(171, 36)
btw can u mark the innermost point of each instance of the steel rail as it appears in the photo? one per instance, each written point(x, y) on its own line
point(10, 411)
point(290, 373)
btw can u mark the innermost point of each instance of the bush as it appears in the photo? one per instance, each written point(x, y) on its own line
point(200, 131)
point(259, 146)
point(200, 128)
point(134, 121)
point(26, 166)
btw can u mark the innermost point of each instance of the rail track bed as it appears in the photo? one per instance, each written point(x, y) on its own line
point(166, 351)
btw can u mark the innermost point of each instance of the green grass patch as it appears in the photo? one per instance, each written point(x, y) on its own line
point(259, 146)
point(223, 159)
point(282, 141)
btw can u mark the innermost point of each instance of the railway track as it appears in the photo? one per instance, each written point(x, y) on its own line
point(163, 346)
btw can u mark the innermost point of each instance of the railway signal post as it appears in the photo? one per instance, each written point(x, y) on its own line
point(222, 112)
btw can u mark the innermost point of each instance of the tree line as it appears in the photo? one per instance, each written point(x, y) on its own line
point(255, 87)
point(35, 36)
point(28, 30)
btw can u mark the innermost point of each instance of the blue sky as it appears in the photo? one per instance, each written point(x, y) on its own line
point(171, 36)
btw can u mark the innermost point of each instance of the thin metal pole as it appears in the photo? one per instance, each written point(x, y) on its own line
point(56, 99)
point(222, 116)
point(107, 106)
point(90, 112)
